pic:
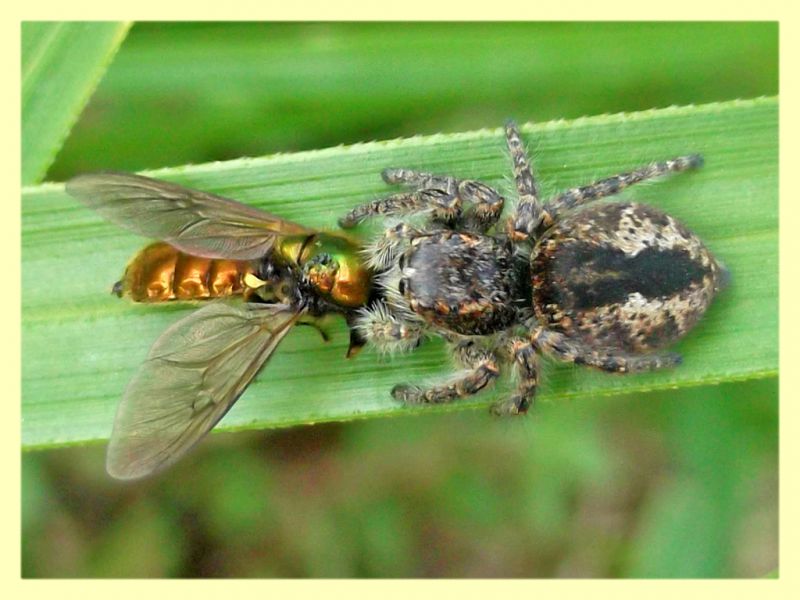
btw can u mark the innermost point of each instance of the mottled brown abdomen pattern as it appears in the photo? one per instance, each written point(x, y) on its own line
point(160, 273)
point(624, 276)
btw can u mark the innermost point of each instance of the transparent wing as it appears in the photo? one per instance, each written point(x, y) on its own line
point(195, 222)
point(194, 373)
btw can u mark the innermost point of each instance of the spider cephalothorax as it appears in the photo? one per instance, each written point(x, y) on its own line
point(605, 285)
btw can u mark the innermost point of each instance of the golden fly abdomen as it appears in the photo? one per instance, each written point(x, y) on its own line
point(159, 273)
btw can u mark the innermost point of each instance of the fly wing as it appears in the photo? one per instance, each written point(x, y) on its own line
point(195, 222)
point(194, 373)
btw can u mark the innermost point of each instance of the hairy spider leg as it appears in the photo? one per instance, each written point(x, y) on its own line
point(443, 201)
point(388, 331)
point(486, 202)
point(384, 249)
point(529, 211)
point(611, 360)
point(526, 365)
point(611, 186)
point(482, 370)
point(445, 197)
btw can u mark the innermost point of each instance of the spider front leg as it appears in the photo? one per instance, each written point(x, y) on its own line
point(482, 370)
point(611, 360)
point(443, 201)
point(444, 197)
point(614, 185)
point(526, 363)
point(486, 202)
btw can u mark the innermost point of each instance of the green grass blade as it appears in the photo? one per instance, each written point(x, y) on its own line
point(81, 345)
point(61, 65)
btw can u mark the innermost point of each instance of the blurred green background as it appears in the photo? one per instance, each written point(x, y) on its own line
point(675, 484)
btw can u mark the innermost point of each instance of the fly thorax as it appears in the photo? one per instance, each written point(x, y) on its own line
point(335, 270)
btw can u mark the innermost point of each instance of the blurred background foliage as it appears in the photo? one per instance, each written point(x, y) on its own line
point(671, 484)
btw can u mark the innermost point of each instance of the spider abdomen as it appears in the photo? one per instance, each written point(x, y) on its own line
point(623, 275)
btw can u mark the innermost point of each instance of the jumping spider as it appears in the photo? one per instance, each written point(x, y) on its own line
point(602, 285)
